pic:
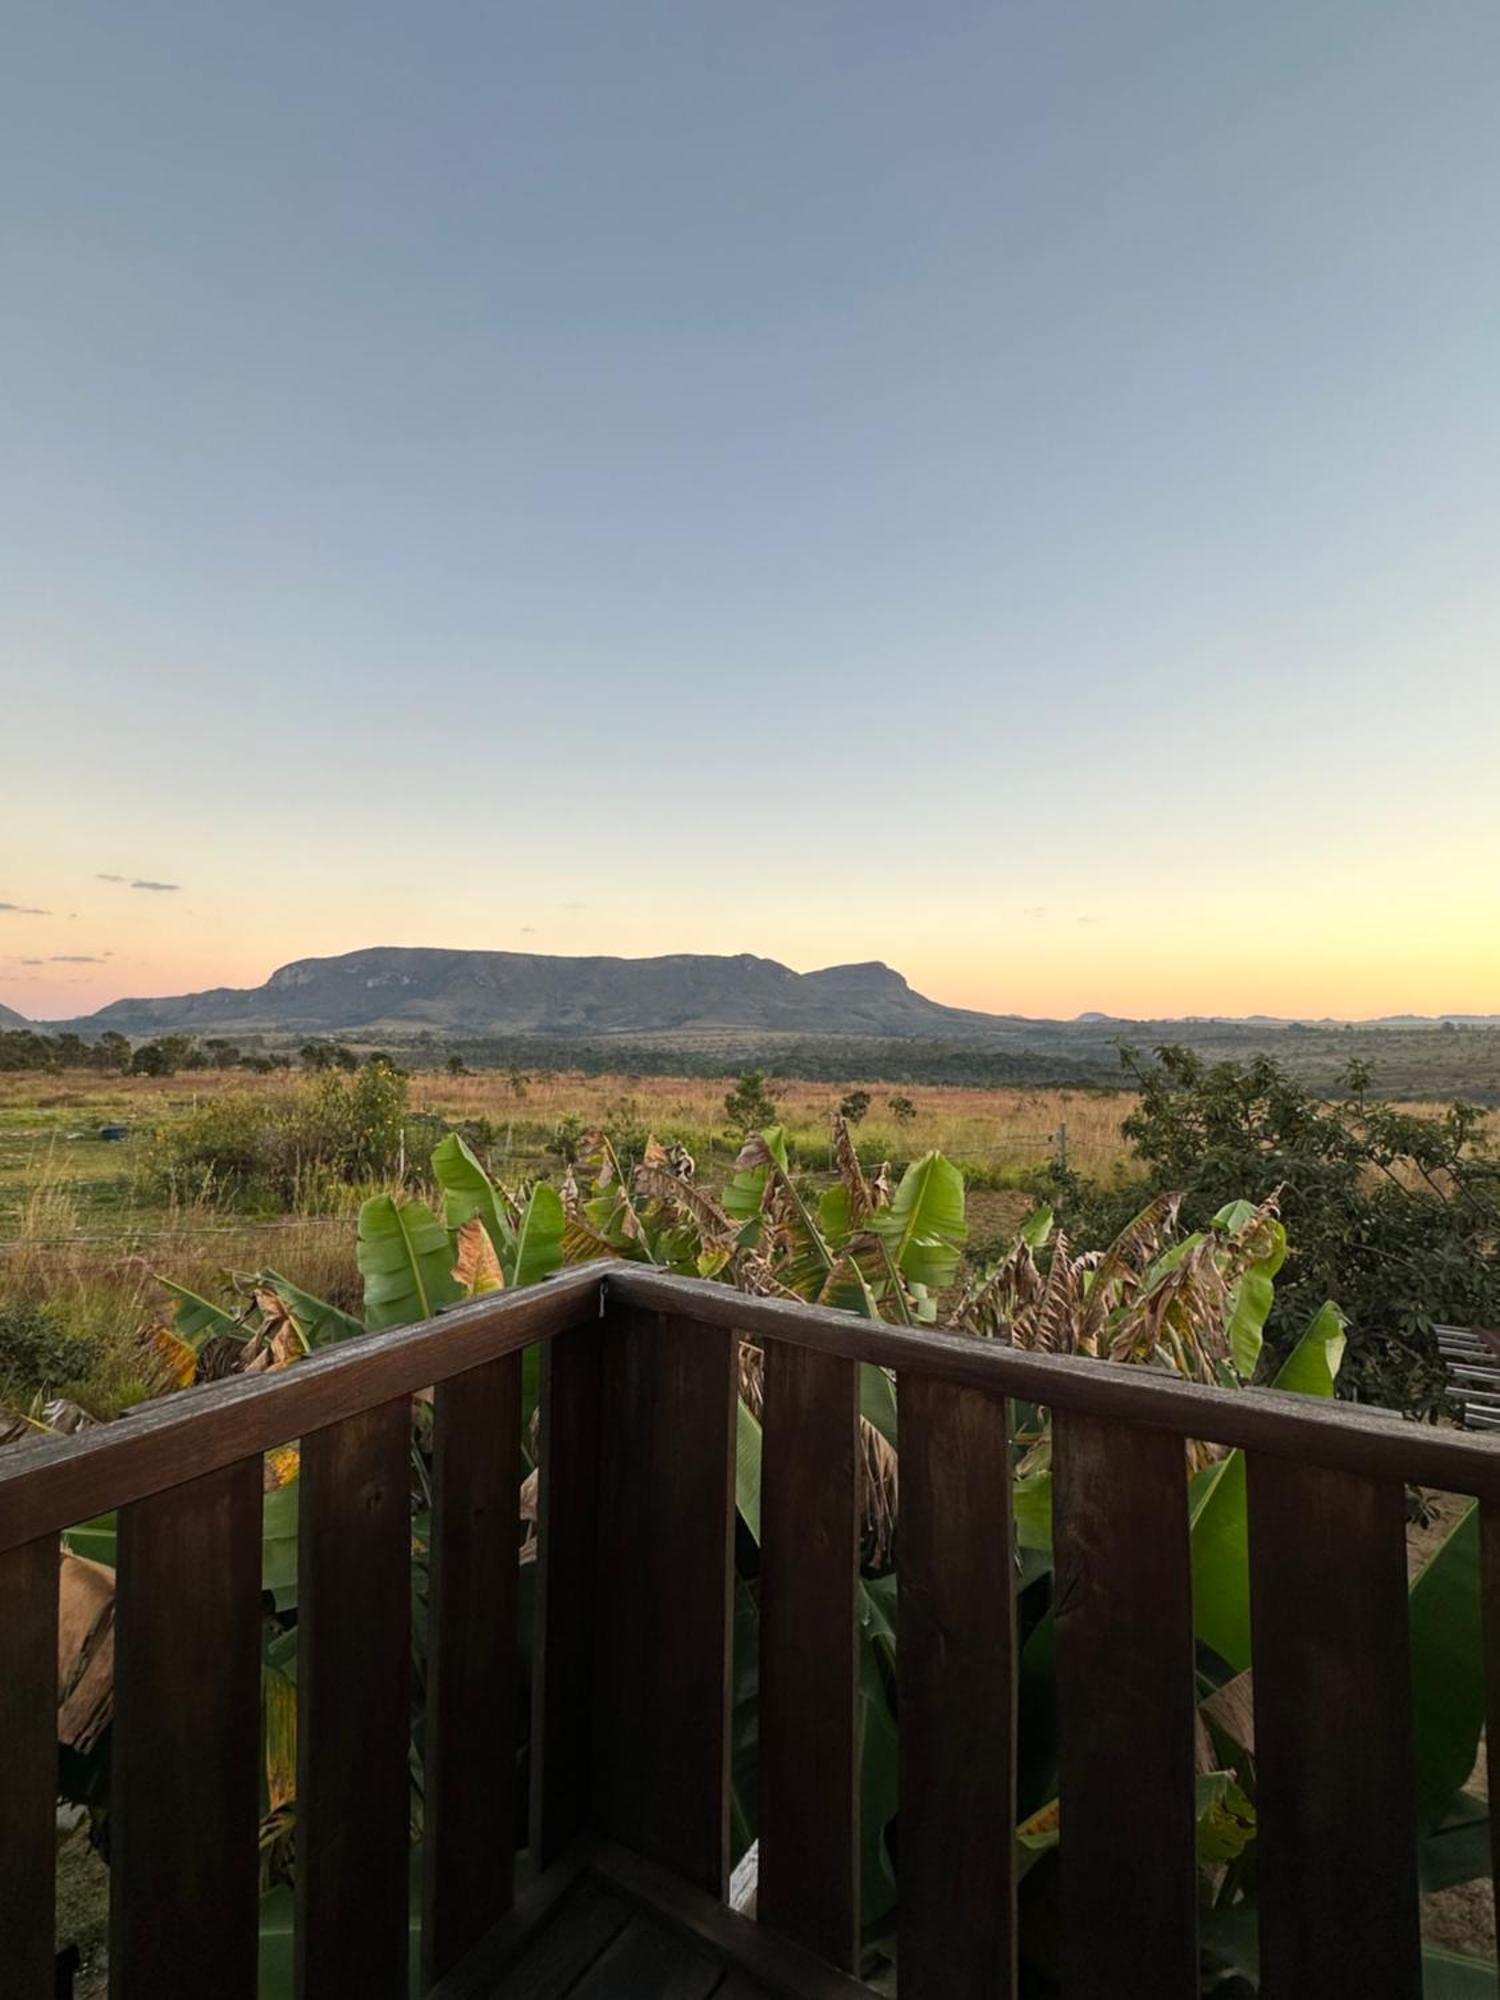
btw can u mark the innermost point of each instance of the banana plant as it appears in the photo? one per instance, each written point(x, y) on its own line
point(1195, 1304)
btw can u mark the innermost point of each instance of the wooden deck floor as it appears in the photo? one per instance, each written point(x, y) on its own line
point(599, 1945)
point(607, 1925)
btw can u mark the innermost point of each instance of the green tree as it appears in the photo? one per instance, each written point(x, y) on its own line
point(902, 1110)
point(751, 1105)
point(1396, 1217)
point(854, 1105)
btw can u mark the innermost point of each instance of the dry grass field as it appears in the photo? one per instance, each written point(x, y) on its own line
point(81, 1234)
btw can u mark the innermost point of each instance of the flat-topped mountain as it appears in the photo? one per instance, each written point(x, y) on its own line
point(512, 992)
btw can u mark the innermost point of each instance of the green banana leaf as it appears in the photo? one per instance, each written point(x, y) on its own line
point(197, 1320)
point(407, 1261)
point(1254, 1293)
point(319, 1323)
point(1220, 1530)
point(1447, 1669)
point(1447, 1976)
point(467, 1192)
point(1037, 1227)
point(924, 1227)
point(538, 1247)
point(747, 1457)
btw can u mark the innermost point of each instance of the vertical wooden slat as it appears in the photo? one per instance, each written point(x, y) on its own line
point(185, 1779)
point(808, 1808)
point(664, 1581)
point(28, 1787)
point(354, 1707)
point(567, 1534)
point(469, 1761)
point(1125, 1711)
point(1489, 1567)
point(1335, 1773)
point(956, 1666)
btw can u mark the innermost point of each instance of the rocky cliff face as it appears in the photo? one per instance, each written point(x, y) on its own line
point(507, 992)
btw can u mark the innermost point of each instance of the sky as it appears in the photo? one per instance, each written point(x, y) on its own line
point(1009, 490)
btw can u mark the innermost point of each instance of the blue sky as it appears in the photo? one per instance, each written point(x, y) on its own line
point(1013, 491)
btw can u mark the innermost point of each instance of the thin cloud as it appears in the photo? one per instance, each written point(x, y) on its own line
point(24, 910)
point(74, 958)
point(33, 961)
point(109, 878)
point(162, 887)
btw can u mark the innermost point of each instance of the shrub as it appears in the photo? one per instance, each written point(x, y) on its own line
point(287, 1151)
point(1395, 1217)
point(37, 1356)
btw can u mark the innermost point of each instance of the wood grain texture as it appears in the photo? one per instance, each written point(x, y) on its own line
point(664, 1583)
point(956, 1668)
point(1335, 1772)
point(1489, 1563)
point(584, 1927)
point(48, 1486)
point(567, 1535)
point(649, 1962)
point(770, 1961)
point(1125, 1699)
point(469, 1748)
point(1358, 1439)
point(354, 1708)
point(185, 1782)
point(479, 1973)
point(808, 1806)
point(28, 1787)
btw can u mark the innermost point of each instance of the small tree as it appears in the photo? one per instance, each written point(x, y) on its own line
point(853, 1107)
point(902, 1109)
point(751, 1105)
point(457, 1066)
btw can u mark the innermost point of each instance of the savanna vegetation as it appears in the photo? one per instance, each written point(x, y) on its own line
point(1217, 1221)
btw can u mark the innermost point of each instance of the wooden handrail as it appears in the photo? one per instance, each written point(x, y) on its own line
point(632, 1737)
point(1342, 1436)
point(57, 1482)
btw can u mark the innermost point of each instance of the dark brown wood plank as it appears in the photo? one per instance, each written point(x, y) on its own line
point(664, 1581)
point(956, 1663)
point(770, 1961)
point(28, 1787)
point(808, 1806)
point(47, 1486)
point(567, 1533)
point(648, 1962)
point(1125, 1712)
point(1489, 1565)
point(1335, 1771)
point(469, 1748)
point(480, 1971)
point(1358, 1439)
point(581, 1928)
point(354, 1707)
point(185, 1777)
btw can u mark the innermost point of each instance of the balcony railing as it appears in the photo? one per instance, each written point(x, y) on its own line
point(632, 1671)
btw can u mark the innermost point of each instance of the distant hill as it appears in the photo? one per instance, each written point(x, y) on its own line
point(9, 1018)
point(507, 992)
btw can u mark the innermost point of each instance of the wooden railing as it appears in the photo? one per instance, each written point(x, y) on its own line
point(633, 1665)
